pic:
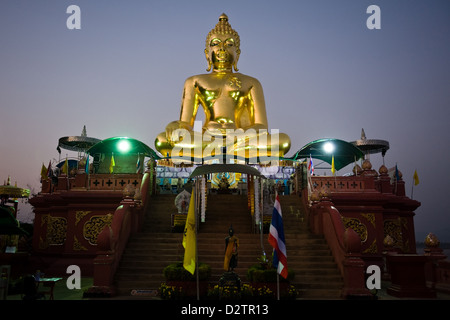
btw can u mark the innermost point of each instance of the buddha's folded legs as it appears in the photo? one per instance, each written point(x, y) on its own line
point(240, 144)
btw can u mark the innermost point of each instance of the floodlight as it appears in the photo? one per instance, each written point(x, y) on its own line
point(328, 147)
point(123, 146)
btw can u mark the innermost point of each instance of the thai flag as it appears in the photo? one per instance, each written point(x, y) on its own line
point(138, 165)
point(276, 240)
point(310, 166)
point(49, 169)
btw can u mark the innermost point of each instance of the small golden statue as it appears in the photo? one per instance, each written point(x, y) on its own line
point(224, 185)
point(231, 251)
point(232, 102)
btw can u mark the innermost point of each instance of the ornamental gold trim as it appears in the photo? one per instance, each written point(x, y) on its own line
point(79, 215)
point(56, 230)
point(373, 248)
point(77, 245)
point(392, 227)
point(370, 217)
point(359, 227)
point(95, 225)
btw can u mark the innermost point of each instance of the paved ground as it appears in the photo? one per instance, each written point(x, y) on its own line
point(61, 292)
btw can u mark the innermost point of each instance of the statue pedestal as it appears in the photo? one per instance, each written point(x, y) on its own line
point(230, 279)
point(224, 190)
point(178, 221)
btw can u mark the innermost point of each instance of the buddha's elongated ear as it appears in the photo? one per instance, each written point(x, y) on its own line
point(238, 52)
point(208, 59)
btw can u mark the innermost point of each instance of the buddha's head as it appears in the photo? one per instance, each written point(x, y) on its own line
point(222, 46)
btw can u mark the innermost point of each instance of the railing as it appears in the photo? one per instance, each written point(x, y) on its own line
point(443, 276)
point(437, 269)
point(340, 184)
point(114, 182)
point(113, 239)
point(345, 245)
point(81, 180)
point(111, 243)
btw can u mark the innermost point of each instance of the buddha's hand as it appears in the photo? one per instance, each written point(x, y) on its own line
point(213, 125)
point(176, 130)
point(214, 128)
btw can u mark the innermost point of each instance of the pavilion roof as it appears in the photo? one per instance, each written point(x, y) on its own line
point(111, 145)
point(344, 152)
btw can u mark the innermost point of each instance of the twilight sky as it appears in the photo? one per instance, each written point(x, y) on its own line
point(324, 74)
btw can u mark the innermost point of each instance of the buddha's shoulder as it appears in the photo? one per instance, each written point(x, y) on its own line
point(245, 76)
point(195, 78)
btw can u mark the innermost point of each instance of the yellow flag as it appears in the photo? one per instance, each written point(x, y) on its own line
point(112, 164)
point(43, 172)
point(65, 168)
point(416, 178)
point(333, 169)
point(189, 238)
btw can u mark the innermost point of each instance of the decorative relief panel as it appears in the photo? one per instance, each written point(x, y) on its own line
point(392, 227)
point(56, 231)
point(94, 226)
point(357, 226)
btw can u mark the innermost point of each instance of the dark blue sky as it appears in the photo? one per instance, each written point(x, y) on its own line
point(324, 74)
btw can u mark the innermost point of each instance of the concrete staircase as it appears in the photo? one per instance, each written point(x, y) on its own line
point(316, 274)
point(149, 252)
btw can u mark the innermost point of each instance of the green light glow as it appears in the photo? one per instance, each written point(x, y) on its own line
point(328, 147)
point(123, 146)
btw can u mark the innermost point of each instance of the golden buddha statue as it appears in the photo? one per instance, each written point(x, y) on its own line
point(233, 103)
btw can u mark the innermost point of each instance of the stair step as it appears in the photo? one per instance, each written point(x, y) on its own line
point(156, 246)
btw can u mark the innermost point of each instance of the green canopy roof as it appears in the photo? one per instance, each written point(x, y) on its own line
point(122, 145)
point(344, 152)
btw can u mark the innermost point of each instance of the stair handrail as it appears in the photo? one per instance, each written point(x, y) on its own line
point(345, 245)
point(111, 243)
point(112, 240)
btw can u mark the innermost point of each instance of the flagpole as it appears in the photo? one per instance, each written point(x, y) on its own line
point(67, 171)
point(278, 286)
point(196, 240)
point(278, 276)
point(261, 216)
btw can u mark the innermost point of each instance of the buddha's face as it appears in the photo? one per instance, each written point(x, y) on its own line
point(222, 52)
